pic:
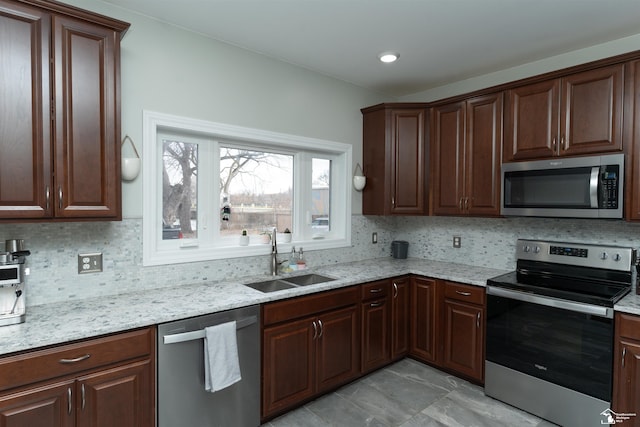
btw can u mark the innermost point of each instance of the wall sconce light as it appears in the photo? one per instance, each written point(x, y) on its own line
point(359, 180)
point(130, 165)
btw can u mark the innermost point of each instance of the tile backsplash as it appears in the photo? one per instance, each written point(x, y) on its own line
point(485, 242)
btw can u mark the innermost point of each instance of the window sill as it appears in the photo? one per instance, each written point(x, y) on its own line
point(194, 253)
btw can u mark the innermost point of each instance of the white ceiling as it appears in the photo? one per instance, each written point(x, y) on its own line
point(439, 41)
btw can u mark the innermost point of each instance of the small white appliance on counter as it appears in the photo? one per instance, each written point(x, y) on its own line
point(12, 272)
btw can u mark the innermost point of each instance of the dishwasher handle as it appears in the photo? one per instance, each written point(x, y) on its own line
point(195, 335)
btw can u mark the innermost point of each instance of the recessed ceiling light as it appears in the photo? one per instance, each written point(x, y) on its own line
point(388, 57)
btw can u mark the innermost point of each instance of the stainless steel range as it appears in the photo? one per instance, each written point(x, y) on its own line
point(12, 272)
point(550, 335)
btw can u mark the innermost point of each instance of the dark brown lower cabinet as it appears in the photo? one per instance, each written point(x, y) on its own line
point(626, 368)
point(464, 307)
point(310, 345)
point(448, 326)
point(425, 310)
point(102, 382)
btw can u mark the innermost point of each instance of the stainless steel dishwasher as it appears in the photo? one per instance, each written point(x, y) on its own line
point(182, 399)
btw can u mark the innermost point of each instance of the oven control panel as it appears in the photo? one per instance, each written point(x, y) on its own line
point(580, 254)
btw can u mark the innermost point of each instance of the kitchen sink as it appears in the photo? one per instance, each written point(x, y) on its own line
point(289, 282)
point(308, 279)
point(270, 285)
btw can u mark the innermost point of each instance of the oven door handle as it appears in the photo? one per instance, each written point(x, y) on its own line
point(595, 310)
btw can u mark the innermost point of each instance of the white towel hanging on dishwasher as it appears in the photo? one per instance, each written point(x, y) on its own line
point(221, 363)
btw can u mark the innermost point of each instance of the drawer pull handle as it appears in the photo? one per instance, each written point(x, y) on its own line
point(76, 360)
point(478, 321)
point(375, 291)
point(395, 290)
point(69, 396)
point(315, 330)
point(321, 328)
point(465, 294)
point(375, 304)
point(624, 353)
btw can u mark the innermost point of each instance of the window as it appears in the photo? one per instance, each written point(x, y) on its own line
point(205, 183)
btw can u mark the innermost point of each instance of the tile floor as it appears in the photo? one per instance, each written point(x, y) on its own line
point(407, 394)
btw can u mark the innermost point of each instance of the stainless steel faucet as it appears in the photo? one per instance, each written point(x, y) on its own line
point(274, 254)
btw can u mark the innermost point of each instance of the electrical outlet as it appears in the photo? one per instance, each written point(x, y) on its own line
point(89, 263)
point(457, 242)
point(374, 237)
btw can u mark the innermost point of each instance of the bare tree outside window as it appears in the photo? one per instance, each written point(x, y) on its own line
point(256, 187)
point(179, 189)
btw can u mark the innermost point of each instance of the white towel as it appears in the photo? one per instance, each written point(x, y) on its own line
point(221, 364)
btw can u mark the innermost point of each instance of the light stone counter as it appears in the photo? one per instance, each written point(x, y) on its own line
point(73, 320)
point(629, 304)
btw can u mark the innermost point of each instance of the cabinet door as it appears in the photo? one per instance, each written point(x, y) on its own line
point(400, 317)
point(25, 139)
point(121, 396)
point(632, 171)
point(338, 344)
point(87, 153)
point(591, 120)
point(483, 148)
point(424, 320)
point(46, 406)
point(531, 126)
point(407, 161)
point(626, 391)
point(288, 365)
point(376, 323)
point(464, 337)
point(447, 169)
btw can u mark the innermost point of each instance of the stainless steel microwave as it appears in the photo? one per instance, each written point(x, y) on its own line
point(576, 187)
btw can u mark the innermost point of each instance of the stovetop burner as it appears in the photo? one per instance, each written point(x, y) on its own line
point(592, 274)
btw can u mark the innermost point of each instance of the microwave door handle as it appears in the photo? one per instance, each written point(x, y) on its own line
point(593, 186)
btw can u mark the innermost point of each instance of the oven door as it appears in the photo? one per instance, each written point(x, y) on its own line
point(558, 341)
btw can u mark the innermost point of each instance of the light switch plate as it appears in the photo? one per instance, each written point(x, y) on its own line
point(89, 263)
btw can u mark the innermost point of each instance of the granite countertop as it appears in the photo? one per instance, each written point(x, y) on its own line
point(62, 322)
point(67, 321)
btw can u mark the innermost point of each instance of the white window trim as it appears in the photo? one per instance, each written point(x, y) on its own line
point(156, 253)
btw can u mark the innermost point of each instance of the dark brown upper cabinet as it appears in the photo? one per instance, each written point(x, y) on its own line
point(466, 141)
point(59, 113)
point(394, 159)
point(580, 113)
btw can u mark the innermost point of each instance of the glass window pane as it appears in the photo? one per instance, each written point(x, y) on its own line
point(179, 190)
point(256, 191)
point(320, 193)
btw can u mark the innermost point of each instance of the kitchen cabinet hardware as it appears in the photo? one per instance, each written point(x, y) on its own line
point(47, 195)
point(321, 328)
point(69, 401)
point(395, 290)
point(624, 353)
point(315, 330)
point(375, 291)
point(60, 198)
point(465, 294)
point(478, 321)
point(83, 396)
point(75, 360)
point(375, 304)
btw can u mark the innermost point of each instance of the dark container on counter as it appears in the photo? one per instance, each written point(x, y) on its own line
point(399, 249)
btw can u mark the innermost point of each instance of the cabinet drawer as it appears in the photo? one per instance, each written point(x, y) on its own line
point(308, 305)
point(628, 326)
point(40, 365)
point(467, 293)
point(375, 290)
